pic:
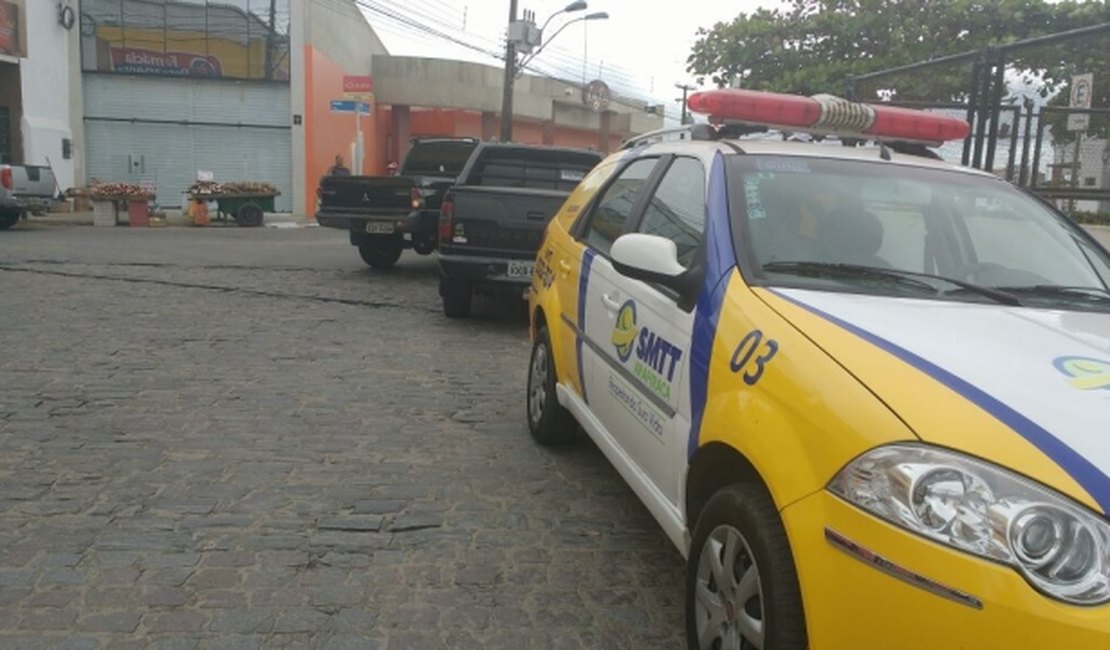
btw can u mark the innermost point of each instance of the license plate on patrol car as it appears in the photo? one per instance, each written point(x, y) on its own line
point(379, 228)
point(519, 269)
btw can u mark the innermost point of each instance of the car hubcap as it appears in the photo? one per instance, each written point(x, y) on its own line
point(728, 602)
point(537, 384)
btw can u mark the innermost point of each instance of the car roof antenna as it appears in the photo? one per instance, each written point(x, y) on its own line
point(884, 151)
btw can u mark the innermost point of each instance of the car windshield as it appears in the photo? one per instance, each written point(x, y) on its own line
point(892, 229)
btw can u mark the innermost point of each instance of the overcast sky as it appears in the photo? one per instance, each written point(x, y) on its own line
point(640, 47)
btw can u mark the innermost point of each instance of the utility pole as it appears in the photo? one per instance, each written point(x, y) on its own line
point(685, 88)
point(510, 75)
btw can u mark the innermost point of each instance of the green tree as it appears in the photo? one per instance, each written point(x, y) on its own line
point(814, 46)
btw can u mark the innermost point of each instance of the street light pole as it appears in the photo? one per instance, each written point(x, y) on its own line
point(685, 88)
point(507, 85)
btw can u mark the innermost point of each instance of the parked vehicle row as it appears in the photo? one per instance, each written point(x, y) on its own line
point(25, 189)
point(483, 205)
point(861, 390)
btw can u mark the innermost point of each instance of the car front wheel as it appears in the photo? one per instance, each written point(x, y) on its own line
point(741, 585)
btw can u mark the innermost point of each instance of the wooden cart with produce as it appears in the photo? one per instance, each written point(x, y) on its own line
point(110, 199)
point(245, 202)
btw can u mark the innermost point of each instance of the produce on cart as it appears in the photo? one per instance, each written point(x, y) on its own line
point(245, 201)
point(109, 199)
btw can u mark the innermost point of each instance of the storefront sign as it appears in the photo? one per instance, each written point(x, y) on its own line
point(131, 60)
point(10, 33)
point(358, 84)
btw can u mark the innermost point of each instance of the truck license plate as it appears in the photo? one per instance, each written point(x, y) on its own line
point(519, 269)
point(379, 228)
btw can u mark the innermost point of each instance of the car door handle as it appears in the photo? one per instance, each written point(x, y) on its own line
point(610, 304)
point(564, 267)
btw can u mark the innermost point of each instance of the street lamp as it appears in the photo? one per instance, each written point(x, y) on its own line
point(513, 70)
point(597, 15)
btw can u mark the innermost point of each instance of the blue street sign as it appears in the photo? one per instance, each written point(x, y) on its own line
point(348, 106)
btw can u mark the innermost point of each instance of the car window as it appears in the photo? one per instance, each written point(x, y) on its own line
point(677, 209)
point(611, 212)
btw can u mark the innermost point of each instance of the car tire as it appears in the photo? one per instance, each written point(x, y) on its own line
point(760, 601)
point(457, 295)
point(424, 246)
point(8, 218)
point(549, 423)
point(379, 255)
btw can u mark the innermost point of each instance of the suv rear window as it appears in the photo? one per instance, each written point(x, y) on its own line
point(537, 169)
point(445, 158)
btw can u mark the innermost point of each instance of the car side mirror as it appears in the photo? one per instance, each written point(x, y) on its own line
point(650, 258)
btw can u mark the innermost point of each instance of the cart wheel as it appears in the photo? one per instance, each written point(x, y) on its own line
point(249, 215)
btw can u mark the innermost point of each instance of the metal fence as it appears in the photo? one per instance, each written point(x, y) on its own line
point(1017, 133)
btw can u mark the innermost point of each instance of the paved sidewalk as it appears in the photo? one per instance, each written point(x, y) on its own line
point(174, 218)
point(1101, 233)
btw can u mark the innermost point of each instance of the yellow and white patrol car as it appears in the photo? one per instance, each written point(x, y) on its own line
point(865, 393)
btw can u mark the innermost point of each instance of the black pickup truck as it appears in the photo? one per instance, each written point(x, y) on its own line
point(491, 222)
point(386, 214)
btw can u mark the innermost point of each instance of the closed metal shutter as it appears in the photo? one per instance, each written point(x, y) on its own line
point(165, 130)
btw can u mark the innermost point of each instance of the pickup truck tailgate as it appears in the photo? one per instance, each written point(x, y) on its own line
point(28, 180)
point(388, 194)
point(503, 221)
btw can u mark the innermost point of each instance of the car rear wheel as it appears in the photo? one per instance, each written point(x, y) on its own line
point(458, 295)
point(8, 218)
point(380, 254)
point(741, 585)
point(549, 423)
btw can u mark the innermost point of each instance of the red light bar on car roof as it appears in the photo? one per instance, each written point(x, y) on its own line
point(827, 114)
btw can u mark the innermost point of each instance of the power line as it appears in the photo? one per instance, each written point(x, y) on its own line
point(563, 69)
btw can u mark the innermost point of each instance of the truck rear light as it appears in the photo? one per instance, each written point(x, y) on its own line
point(416, 198)
point(6, 178)
point(446, 213)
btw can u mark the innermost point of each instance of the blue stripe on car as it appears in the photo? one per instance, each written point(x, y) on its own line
point(1093, 480)
point(720, 258)
point(583, 284)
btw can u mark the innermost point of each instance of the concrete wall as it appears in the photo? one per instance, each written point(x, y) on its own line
point(46, 91)
point(442, 83)
point(77, 103)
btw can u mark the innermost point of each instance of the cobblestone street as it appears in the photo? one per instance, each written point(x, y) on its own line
point(244, 438)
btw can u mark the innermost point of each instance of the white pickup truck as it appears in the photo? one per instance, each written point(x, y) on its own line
point(23, 189)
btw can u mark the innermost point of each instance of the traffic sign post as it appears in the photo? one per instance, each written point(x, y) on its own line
point(1082, 87)
point(356, 88)
point(349, 106)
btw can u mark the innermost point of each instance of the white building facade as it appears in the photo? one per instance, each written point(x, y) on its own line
point(36, 37)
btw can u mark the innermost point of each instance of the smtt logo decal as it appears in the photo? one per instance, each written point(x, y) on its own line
point(656, 357)
point(1085, 373)
point(625, 330)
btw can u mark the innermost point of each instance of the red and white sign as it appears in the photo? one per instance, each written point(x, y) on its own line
point(360, 84)
point(9, 29)
point(131, 60)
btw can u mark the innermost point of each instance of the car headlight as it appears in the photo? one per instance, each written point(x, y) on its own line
point(1061, 547)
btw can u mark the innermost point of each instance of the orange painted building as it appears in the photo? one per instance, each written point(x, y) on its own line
point(415, 96)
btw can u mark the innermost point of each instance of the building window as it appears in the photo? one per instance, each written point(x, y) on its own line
point(228, 39)
point(1089, 181)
